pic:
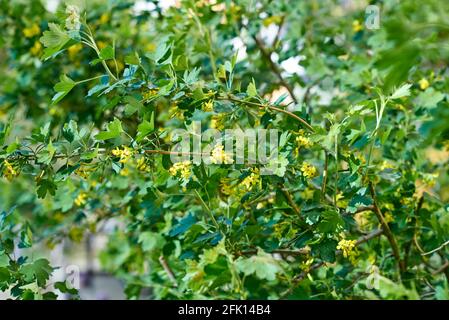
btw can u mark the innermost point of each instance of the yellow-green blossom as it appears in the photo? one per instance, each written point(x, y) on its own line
point(32, 31)
point(124, 154)
point(183, 169)
point(308, 170)
point(81, 199)
point(424, 84)
point(346, 247)
point(220, 156)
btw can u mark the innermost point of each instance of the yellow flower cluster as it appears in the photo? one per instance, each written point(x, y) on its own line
point(83, 172)
point(9, 172)
point(217, 122)
point(208, 106)
point(74, 50)
point(424, 84)
point(252, 180)
point(247, 184)
point(32, 31)
point(308, 170)
point(124, 154)
point(347, 247)
point(104, 18)
point(219, 156)
point(183, 169)
point(357, 26)
point(142, 165)
point(36, 49)
point(149, 93)
point(303, 141)
point(226, 187)
point(81, 199)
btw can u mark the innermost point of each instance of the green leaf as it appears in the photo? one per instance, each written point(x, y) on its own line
point(151, 241)
point(62, 286)
point(26, 237)
point(251, 91)
point(107, 53)
point(402, 91)
point(262, 265)
point(183, 226)
point(330, 222)
point(63, 87)
point(326, 250)
point(429, 98)
point(114, 130)
point(46, 155)
point(40, 270)
point(45, 186)
point(54, 39)
point(145, 128)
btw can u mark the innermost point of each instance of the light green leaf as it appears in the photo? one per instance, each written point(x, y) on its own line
point(151, 241)
point(429, 98)
point(63, 87)
point(251, 90)
point(145, 128)
point(262, 265)
point(113, 131)
point(402, 91)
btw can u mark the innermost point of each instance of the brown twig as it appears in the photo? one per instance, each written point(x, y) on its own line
point(290, 201)
point(260, 105)
point(287, 252)
point(274, 68)
point(387, 231)
point(168, 270)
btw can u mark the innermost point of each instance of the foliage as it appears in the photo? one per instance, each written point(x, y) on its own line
point(361, 186)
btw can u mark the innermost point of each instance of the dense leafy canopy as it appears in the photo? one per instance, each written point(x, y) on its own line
point(90, 97)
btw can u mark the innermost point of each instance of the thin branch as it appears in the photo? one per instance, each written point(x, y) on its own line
point(276, 70)
point(391, 238)
point(288, 252)
point(168, 270)
point(290, 201)
point(260, 105)
point(436, 249)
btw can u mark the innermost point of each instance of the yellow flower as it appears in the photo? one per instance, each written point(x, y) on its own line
point(386, 165)
point(150, 47)
point(341, 202)
point(217, 122)
point(101, 44)
point(226, 187)
point(219, 156)
point(81, 199)
point(124, 172)
point(83, 172)
point(356, 26)
point(32, 31)
point(8, 171)
point(73, 51)
point(424, 84)
point(347, 247)
point(252, 180)
point(124, 154)
point(149, 93)
point(308, 170)
point(36, 49)
point(183, 169)
point(104, 18)
point(208, 106)
point(142, 165)
point(303, 141)
point(261, 205)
